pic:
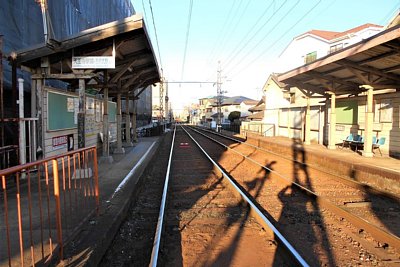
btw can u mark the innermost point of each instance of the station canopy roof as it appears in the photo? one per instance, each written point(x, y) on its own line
point(374, 61)
point(127, 39)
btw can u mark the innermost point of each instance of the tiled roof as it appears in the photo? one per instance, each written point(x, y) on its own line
point(237, 100)
point(256, 116)
point(257, 108)
point(330, 35)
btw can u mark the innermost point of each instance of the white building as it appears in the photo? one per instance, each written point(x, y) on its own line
point(338, 84)
point(208, 109)
point(315, 44)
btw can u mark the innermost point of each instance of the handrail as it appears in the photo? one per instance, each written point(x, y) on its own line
point(51, 197)
point(41, 161)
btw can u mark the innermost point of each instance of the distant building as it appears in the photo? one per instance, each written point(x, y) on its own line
point(208, 109)
point(155, 108)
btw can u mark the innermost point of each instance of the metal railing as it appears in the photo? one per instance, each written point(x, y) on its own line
point(263, 129)
point(44, 203)
point(8, 156)
point(26, 148)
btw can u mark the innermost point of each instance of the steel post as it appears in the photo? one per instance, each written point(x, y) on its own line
point(22, 133)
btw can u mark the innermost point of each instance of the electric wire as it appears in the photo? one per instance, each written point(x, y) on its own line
point(265, 36)
point(212, 56)
point(187, 37)
point(284, 34)
point(155, 33)
point(145, 14)
point(391, 13)
point(227, 34)
point(234, 54)
point(231, 55)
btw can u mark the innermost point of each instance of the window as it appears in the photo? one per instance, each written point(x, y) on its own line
point(335, 48)
point(310, 57)
point(383, 110)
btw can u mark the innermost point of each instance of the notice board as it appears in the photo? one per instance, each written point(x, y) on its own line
point(60, 111)
point(112, 111)
point(347, 112)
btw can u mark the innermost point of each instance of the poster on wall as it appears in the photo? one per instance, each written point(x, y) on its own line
point(76, 110)
point(99, 113)
point(59, 142)
point(90, 106)
point(70, 104)
point(386, 110)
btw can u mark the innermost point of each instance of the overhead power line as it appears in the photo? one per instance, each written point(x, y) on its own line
point(284, 34)
point(187, 37)
point(226, 34)
point(234, 53)
point(221, 31)
point(155, 32)
point(265, 36)
point(145, 14)
point(246, 39)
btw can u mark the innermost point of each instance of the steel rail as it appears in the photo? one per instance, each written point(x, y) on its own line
point(264, 219)
point(344, 180)
point(157, 238)
point(378, 233)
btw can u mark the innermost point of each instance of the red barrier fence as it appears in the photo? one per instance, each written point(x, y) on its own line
point(43, 204)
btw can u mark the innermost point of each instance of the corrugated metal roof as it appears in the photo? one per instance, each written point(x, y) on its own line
point(135, 62)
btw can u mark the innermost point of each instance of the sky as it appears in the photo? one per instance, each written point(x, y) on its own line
point(192, 39)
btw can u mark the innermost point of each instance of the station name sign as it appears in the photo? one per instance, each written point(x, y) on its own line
point(93, 62)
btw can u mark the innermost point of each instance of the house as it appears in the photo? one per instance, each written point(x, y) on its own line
point(236, 103)
point(208, 108)
point(315, 44)
point(257, 111)
point(351, 89)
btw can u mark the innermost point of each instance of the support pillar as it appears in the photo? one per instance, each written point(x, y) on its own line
point(81, 114)
point(332, 124)
point(33, 140)
point(106, 144)
point(119, 149)
point(369, 116)
point(289, 133)
point(128, 142)
point(40, 150)
point(307, 128)
point(22, 135)
point(134, 136)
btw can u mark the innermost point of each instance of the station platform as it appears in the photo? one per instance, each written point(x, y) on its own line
point(382, 172)
point(118, 181)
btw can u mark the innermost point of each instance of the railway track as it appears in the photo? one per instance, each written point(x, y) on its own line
point(209, 222)
point(370, 217)
point(206, 225)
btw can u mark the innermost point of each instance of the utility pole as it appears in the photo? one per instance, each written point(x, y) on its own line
point(219, 96)
point(161, 100)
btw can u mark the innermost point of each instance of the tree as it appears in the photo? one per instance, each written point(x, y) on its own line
point(234, 115)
